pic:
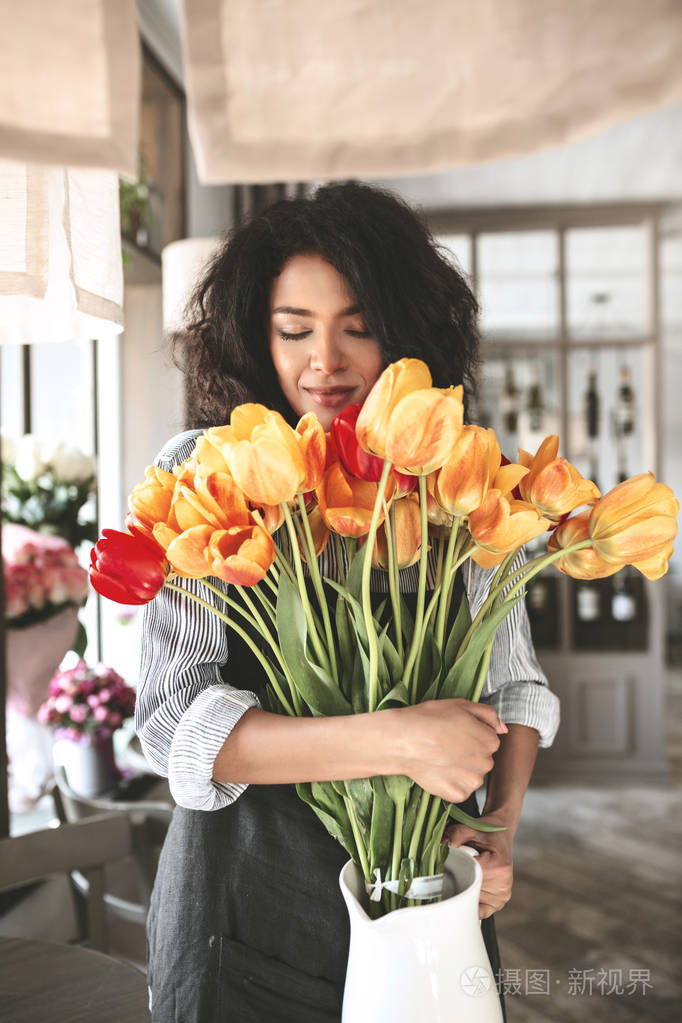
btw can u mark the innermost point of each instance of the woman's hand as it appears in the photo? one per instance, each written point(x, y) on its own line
point(447, 746)
point(495, 859)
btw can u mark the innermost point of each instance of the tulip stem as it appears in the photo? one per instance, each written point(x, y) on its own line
point(339, 548)
point(264, 631)
point(418, 825)
point(519, 578)
point(359, 844)
point(245, 636)
point(393, 575)
point(421, 589)
point(284, 564)
point(441, 552)
point(482, 672)
point(314, 569)
point(434, 813)
point(446, 588)
point(366, 601)
point(303, 590)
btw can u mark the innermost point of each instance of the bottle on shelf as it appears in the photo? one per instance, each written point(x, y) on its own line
point(509, 403)
point(535, 404)
point(588, 604)
point(623, 601)
point(592, 405)
point(624, 411)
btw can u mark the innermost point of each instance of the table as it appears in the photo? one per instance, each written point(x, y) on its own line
point(42, 982)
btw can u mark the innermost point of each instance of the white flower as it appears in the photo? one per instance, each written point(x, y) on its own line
point(29, 463)
point(70, 465)
point(8, 448)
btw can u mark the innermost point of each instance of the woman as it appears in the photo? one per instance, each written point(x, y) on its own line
point(300, 310)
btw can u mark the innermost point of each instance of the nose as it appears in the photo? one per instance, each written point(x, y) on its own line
point(326, 355)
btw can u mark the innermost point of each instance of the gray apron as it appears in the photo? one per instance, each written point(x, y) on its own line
point(247, 922)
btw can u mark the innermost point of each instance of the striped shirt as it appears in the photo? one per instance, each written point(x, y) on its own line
point(185, 710)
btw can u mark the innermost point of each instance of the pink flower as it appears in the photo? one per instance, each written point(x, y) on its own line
point(114, 719)
point(79, 712)
point(104, 695)
point(100, 713)
point(92, 700)
point(63, 703)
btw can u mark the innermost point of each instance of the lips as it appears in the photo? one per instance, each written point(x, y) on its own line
point(330, 397)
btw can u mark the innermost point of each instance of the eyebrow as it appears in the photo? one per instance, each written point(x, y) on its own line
point(294, 311)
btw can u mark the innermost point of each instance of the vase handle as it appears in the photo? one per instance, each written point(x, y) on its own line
point(469, 849)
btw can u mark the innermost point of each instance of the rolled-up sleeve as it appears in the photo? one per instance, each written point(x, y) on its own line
point(184, 710)
point(516, 685)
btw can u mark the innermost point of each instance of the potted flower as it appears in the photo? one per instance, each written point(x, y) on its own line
point(48, 487)
point(85, 706)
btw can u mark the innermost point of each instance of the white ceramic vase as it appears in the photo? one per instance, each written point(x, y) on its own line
point(422, 962)
point(89, 766)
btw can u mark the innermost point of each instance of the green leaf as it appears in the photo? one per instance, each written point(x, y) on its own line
point(398, 787)
point(457, 633)
point(397, 696)
point(428, 664)
point(361, 793)
point(405, 875)
point(355, 607)
point(319, 690)
point(392, 660)
point(346, 647)
point(473, 822)
point(354, 577)
point(339, 830)
point(406, 621)
point(461, 679)
point(81, 640)
point(411, 810)
point(442, 857)
point(434, 839)
point(381, 830)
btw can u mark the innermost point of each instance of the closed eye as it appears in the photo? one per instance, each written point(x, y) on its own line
point(293, 337)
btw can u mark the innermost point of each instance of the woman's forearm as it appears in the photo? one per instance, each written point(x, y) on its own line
point(271, 749)
point(509, 778)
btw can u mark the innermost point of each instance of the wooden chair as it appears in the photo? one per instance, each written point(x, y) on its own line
point(149, 820)
point(84, 846)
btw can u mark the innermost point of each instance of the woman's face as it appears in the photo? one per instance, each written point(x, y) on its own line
point(323, 355)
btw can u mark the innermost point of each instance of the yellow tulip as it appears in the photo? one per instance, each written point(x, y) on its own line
point(263, 454)
point(635, 521)
point(408, 421)
point(656, 566)
point(500, 525)
point(407, 535)
point(347, 503)
point(582, 564)
point(312, 442)
point(187, 552)
point(471, 470)
point(552, 484)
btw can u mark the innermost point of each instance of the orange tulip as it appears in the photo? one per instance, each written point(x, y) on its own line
point(150, 500)
point(471, 470)
point(552, 484)
point(312, 442)
point(656, 566)
point(500, 525)
point(635, 521)
point(347, 503)
point(408, 421)
point(241, 555)
point(213, 500)
point(187, 551)
point(263, 454)
point(407, 535)
point(208, 453)
point(319, 532)
point(582, 564)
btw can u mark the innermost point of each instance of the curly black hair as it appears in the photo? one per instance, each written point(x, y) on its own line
point(415, 302)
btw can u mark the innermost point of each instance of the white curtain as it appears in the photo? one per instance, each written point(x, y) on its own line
point(61, 275)
point(70, 83)
point(307, 90)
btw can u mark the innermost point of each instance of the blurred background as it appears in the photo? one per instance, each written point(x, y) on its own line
point(542, 143)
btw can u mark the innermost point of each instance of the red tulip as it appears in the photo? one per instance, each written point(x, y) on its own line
point(129, 568)
point(358, 462)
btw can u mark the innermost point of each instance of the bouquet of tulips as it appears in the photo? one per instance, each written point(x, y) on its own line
point(258, 499)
